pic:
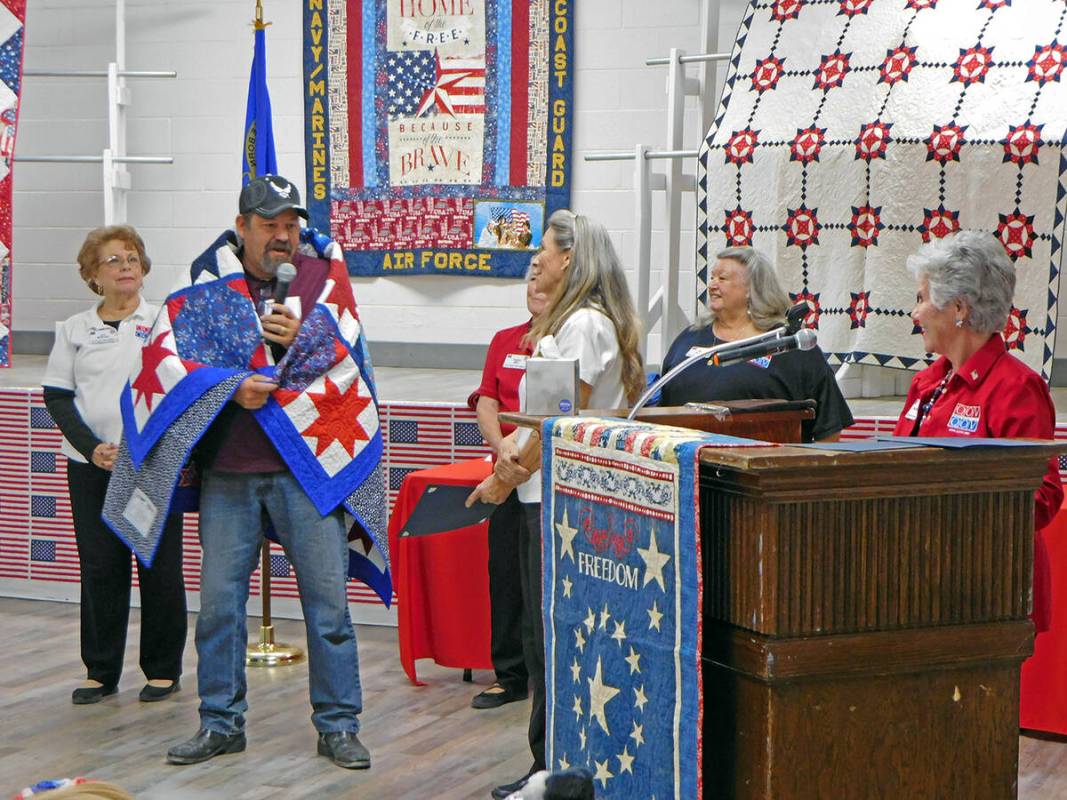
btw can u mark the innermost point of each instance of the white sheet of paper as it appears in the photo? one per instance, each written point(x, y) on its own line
point(140, 512)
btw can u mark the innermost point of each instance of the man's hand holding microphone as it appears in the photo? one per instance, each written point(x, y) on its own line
point(280, 326)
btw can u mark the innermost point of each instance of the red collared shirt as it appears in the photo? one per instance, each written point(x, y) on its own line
point(505, 364)
point(993, 395)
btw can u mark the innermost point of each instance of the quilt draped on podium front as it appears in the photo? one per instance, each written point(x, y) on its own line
point(12, 15)
point(852, 131)
point(323, 418)
point(438, 133)
point(622, 603)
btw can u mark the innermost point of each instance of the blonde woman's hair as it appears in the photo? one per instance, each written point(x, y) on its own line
point(594, 279)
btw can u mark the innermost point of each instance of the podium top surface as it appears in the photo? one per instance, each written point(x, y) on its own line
point(778, 456)
point(791, 457)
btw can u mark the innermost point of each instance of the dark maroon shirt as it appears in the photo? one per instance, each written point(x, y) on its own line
point(235, 442)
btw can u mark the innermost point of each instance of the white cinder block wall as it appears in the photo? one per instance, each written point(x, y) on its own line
point(199, 117)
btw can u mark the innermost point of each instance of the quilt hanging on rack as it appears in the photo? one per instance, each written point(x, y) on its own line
point(437, 132)
point(852, 131)
point(12, 17)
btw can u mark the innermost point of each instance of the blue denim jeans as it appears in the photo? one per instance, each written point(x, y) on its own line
point(233, 509)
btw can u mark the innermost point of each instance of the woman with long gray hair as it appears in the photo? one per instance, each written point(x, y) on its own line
point(590, 317)
point(745, 299)
point(966, 283)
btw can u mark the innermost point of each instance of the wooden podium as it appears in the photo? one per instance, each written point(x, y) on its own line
point(865, 615)
point(865, 618)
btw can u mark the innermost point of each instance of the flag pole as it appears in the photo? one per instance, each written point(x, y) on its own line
point(259, 23)
point(268, 653)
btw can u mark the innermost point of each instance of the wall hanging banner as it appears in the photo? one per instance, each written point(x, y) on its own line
point(622, 603)
point(851, 132)
point(12, 15)
point(438, 132)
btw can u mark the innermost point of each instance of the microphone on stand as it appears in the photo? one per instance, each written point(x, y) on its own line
point(698, 354)
point(794, 317)
point(803, 339)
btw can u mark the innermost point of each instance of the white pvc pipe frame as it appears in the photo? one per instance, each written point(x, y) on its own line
point(116, 177)
point(665, 307)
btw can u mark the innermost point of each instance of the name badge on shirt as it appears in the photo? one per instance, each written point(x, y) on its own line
point(913, 412)
point(515, 361)
point(103, 335)
point(965, 418)
point(142, 332)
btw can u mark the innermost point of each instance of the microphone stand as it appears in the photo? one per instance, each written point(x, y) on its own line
point(704, 352)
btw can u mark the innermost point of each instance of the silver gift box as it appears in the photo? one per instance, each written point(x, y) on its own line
point(552, 386)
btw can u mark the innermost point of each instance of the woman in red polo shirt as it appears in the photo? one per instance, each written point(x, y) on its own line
point(976, 388)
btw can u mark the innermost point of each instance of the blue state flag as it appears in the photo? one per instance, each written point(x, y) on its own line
point(257, 148)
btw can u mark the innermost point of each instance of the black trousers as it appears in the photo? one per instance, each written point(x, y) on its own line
point(533, 626)
point(105, 587)
point(505, 595)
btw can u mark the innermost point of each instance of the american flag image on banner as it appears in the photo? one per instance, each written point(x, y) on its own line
point(424, 435)
point(460, 87)
point(15, 421)
point(50, 524)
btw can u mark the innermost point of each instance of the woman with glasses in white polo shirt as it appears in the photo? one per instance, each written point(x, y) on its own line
point(90, 363)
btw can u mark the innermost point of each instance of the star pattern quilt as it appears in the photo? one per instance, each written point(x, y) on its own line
point(850, 132)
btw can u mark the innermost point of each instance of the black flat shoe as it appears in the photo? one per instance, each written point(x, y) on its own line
point(344, 749)
point(206, 744)
point(495, 699)
point(506, 789)
point(150, 693)
point(87, 695)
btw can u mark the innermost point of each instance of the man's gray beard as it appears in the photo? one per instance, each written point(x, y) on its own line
point(273, 259)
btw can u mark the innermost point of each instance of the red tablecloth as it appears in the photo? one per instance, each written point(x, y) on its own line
point(442, 581)
point(1043, 693)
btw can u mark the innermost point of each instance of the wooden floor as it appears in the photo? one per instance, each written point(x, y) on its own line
point(424, 741)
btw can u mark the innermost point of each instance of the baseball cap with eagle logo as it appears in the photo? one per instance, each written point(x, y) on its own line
point(270, 195)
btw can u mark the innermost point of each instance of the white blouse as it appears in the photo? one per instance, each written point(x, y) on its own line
point(93, 360)
point(589, 336)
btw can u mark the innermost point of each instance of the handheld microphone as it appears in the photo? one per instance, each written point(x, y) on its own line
point(803, 339)
point(285, 274)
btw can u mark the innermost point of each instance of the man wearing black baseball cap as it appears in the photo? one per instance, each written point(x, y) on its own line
point(270, 195)
point(246, 480)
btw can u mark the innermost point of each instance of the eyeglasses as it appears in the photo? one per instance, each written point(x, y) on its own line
point(133, 260)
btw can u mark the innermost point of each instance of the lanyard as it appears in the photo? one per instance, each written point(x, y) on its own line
point(935, 395)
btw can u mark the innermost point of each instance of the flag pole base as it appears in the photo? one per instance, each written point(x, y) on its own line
point(267, 653)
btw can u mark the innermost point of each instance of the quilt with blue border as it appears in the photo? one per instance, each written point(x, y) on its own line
point(622, 603)
point(323, 419)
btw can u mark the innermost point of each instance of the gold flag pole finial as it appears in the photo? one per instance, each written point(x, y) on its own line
point(259, 23)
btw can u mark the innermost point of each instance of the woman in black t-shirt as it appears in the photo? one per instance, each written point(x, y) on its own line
point(745, 299)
